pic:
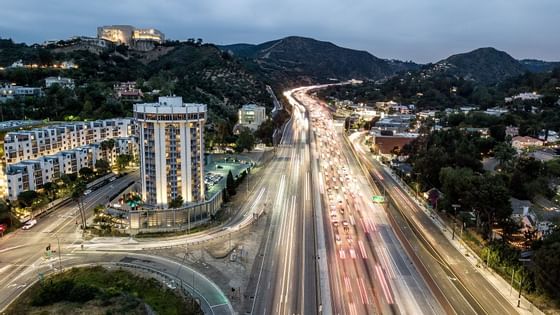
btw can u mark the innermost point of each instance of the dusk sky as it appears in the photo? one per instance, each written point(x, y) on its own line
point(418, 30)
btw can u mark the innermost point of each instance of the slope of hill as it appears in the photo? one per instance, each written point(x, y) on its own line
point(305, 59)
point(199, 73)
point(534, 65)
point(485, 65)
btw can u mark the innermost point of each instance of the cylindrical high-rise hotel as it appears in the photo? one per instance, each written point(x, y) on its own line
point(171, 140)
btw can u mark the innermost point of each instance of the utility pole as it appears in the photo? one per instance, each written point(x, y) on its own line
point(59, 259)
point(512, 276)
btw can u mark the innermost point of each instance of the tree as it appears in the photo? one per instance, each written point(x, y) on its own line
point(504, 153)
point(5, 212)
point(77, 195)
point(86, 173)
point(102, 166)
point(50, 189)
point(498, 132)
point(265, 132)
point(176, 202)
point(123, 160)
point(454, 183)
point(245, 141)
point(547, 266)
point(27, 198)
point(489, 198)
point(107, 148)
point(230, 184)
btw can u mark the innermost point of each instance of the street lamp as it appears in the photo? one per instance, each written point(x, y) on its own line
point(59, 259)
point(455, 206)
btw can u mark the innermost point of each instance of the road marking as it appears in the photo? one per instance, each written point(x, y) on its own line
point(384, 285)
point(362, 249)
point(347, 284)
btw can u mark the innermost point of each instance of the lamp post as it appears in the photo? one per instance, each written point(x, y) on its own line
point(455, 206)
point(59, 258)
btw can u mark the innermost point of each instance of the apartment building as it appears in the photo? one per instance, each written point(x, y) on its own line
point(33, 174)
point(32, 144)
point(171, 138)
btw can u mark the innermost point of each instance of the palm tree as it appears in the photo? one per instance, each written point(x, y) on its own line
point(77, 195)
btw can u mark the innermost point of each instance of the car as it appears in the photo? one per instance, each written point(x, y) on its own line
point(338, 239)
point(87, 192)
point(112, 179)
point(29, 224)
point(335, 223)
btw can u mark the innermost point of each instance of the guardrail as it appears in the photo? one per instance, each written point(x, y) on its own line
point(172, 282)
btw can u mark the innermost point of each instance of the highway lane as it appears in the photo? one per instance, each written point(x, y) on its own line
point(286, 281)
point(470, 287)
point(370, 270)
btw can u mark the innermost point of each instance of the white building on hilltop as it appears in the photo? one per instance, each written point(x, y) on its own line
point(171, 137)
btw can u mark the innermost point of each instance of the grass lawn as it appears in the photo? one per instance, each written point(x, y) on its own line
point(97, 290)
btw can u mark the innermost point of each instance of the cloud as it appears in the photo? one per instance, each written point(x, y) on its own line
point(423, 31)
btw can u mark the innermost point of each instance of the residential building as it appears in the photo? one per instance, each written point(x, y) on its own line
point(23, 91)
point(33, 174)
point(60, 81)
point(34, 143)
point(251, 116)
point(9, 92)
point(127, 91)
point(533, 96)
point(496, 111)
point(521, 143)
point(171, 137)
point(512, 131)
point(425, 114)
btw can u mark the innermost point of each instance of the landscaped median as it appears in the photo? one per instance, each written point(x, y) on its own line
point(97, 290)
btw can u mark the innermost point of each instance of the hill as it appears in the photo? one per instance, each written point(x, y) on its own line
point(197, 72)
point(308, 60)
point(485, 65)
point(534, 65)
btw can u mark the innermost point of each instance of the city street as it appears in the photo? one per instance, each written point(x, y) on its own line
point(23, 251)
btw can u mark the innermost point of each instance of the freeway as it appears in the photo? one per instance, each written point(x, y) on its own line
point(284, 279)
point(478, 292)
point(370, 271)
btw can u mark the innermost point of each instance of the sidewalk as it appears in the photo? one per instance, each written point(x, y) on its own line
point(500, 284)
